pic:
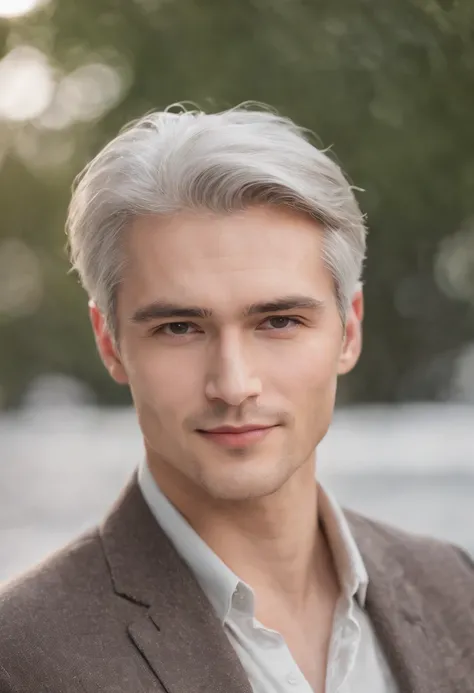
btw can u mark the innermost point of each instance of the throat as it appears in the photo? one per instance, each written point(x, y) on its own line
point(309, 601)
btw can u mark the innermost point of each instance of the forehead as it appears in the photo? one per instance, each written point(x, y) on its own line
point(224, 260)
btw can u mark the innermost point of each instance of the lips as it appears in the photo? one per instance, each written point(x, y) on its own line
point(236, 429)
point(237, 437)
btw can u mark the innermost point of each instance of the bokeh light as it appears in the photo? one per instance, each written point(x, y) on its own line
point(83, 95)
point(26, 84)
point(18, 8)
point(21, 279)
point(454, 266)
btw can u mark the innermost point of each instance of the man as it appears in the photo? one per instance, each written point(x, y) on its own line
point(222, 255)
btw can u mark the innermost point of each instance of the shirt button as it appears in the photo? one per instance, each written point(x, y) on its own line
point(240, 598)
point(239, 594)
point(293, 679)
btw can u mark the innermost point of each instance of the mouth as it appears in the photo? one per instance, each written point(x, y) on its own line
point(236, 437)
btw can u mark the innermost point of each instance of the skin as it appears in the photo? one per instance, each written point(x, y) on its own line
point(255, 505)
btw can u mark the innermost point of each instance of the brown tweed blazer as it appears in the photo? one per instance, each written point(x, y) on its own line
point(118, 611)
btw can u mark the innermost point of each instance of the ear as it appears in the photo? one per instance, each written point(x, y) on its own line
point(106, 347)
point(352, 344)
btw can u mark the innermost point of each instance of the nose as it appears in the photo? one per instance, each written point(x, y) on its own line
point(230, 378)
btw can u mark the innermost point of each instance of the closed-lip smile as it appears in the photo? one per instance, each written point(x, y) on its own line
point(237, 436)
point(236, 429)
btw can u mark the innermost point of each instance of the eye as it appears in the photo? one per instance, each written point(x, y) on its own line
point(281, 322)
point(174, 329)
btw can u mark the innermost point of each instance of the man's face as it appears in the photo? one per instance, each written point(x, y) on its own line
point(230, 321)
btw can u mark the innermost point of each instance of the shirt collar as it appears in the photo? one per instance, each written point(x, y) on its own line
point(215, 578)
point(218, 581)
point(348, 561)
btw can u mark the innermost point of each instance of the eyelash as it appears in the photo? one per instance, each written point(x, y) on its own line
point(161, 328)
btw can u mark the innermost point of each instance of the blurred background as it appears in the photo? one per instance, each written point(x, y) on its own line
point(390, 88)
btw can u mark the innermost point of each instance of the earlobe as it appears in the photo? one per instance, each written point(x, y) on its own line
point(118, 372)
point(349, 356)
point(106, 347)
point(344, 355)
point(352, 340)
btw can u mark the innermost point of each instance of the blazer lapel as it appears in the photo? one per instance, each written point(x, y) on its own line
point(186, 659)
point(178, 632)
point(396, 608)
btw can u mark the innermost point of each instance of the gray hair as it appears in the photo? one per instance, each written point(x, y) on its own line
point(167, 162)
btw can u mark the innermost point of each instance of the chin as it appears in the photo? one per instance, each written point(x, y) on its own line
point(244, 484)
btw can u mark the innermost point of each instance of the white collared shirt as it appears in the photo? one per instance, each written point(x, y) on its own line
point(356, 662)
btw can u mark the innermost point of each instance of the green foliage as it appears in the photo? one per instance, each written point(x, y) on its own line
point(389, 86)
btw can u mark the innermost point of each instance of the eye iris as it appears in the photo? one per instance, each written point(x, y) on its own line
point(279, 322)
point(179, 327)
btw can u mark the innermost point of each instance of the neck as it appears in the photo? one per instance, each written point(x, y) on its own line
point(274, 544)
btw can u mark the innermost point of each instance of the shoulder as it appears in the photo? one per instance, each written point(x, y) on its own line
point(420, 556)
point(74, 569)
point(42, 609)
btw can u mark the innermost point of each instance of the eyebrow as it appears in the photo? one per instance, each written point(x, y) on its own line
point(160, 309)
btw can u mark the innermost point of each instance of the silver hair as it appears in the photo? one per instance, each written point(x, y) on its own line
point(167, 162)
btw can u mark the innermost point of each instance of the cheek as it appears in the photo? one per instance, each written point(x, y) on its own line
point(309, 372)
point(162, 383)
